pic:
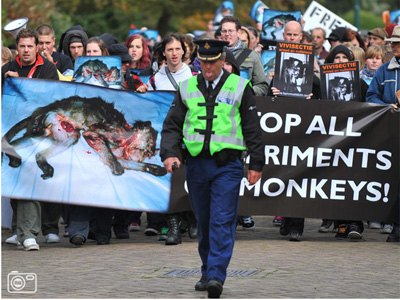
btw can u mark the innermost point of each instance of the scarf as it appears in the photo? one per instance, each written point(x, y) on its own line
point(367, 75)
point(237, 47)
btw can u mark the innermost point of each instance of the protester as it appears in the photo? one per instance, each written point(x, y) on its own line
point(252, 67)
point(129, 80)
point(319, 38)
point(373, 61)
point(255, 39)
point(377, 36)
point(139, 50)
point(81, 217)
point(175, 71)
point(354, 38)
point(27, 224)
point(213, 169)
point(335, 38)
point(294, 226)
point(382, 90)
point(73, 43)
point(245, 37)
point(247, 59)
point(359, 55)
point(6, 55)
point(47, 43)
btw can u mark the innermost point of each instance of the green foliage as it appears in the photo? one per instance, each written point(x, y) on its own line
point(37, 11)
point(368, 20)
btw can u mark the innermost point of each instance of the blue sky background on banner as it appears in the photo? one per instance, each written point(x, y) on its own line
point(80, 176)
point(109, 61)
point(257, 11)
point(274, 22)
point(395, 17)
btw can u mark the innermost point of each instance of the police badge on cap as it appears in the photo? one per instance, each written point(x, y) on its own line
point(210, 50)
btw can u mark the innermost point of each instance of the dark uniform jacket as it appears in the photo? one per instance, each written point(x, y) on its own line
point(172, 134)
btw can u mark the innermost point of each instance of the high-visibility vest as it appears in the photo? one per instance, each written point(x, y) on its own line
point(226, 120)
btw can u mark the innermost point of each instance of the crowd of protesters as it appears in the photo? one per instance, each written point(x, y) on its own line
point(168, 62)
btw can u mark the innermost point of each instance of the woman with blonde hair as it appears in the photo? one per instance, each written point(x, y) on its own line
point(358, 54)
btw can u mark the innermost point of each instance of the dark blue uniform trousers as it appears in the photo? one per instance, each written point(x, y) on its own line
point(214, 196)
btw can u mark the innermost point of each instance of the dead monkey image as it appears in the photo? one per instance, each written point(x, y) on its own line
point(119, 145)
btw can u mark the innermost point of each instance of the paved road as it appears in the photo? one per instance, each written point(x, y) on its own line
point(318, 267)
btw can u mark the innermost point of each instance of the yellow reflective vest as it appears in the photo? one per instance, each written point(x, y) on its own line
point(226, 120)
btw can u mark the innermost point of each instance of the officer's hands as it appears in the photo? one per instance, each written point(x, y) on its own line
point(169, 162)
point(253, 176)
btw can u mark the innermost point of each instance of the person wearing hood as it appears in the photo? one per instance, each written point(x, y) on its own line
point(73, 43)
point(230, 63)
point(342, 53)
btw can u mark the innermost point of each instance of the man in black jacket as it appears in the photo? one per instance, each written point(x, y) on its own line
point(27, 213)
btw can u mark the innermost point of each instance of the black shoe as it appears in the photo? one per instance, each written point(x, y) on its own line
point(394, 236)
point(174, 233)
point(78, 240)
point(201, 285)
point(103, 242)
point(121, 232)
point(354, 232)
point(193, 230)
point(214, 288)
point(285, 227)
point(295, 236)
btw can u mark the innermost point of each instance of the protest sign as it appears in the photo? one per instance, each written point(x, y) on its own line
point(294, 69)
point(274, 23)
point(99, 70)
point(341, 81)
point(82, 144)
point(323, 159)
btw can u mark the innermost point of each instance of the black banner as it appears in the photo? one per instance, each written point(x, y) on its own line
point(323, 159)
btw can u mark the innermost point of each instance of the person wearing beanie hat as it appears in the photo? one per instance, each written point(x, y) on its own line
point(214, 114)
point(384, 89)
point(377, 36)
point(342, 51)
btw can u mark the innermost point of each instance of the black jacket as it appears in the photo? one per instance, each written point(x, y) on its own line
point(42, 68)
point(171, 136)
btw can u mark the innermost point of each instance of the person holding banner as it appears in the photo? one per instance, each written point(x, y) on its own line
point(27, 214)
point(215, 115)
point(385, 89)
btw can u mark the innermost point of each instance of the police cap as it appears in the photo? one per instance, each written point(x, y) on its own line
point(210, 50)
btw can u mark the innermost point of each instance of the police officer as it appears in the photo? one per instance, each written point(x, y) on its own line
point(215, 115)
